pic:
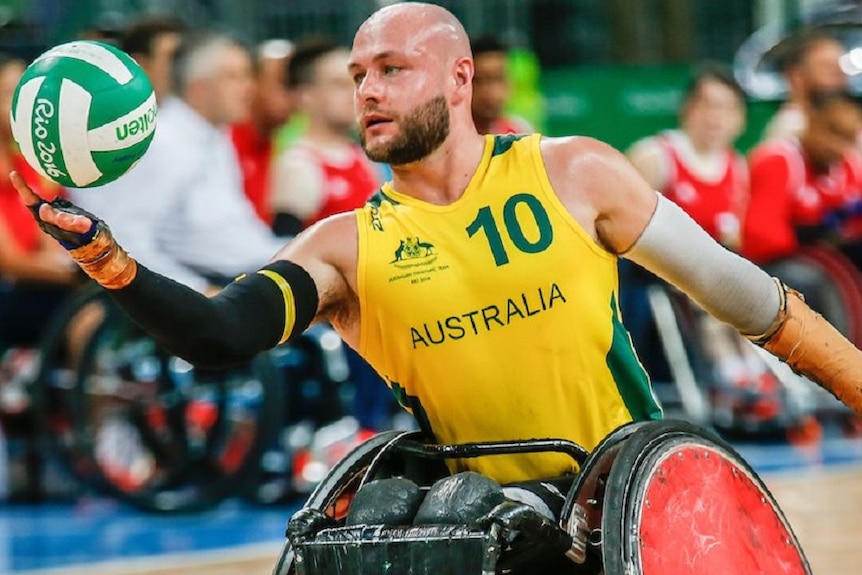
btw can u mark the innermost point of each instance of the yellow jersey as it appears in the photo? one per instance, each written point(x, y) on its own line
point(496, 318)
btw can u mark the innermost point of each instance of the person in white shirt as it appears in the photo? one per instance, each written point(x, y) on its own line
point(182, 210)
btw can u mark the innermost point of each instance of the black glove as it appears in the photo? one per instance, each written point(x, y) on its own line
point(67, 239)
point(95, 250)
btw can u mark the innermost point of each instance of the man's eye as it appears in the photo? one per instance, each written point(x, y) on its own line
point(357, 78)
point(389, 70)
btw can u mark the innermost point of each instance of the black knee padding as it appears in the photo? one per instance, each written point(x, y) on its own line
point(385, 502)
point(460, 499)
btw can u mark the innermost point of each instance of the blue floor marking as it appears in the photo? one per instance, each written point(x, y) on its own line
point(53, 535)
point(773, 458)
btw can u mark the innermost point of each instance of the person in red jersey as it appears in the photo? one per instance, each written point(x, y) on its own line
point(271, 107)
point(811, 63)
point(491, 89)
point(696, 165)
point(35, 274)
point(324, 172)
point(807, 188)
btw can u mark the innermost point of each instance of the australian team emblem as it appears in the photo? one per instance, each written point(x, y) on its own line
point(414, 250)
point(416, 261)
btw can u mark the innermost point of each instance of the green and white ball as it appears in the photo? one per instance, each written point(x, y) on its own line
point(83, 113)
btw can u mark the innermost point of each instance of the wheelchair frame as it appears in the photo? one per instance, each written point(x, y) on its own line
point(602, 528)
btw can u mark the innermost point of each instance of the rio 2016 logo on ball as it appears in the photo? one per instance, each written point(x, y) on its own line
point(83, 114)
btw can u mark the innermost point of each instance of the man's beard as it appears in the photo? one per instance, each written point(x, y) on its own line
point(423, 129)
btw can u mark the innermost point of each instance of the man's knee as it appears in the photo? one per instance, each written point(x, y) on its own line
point(392, 501)
point(461, 499)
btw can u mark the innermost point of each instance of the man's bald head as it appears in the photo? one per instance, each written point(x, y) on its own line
point(412, 69)
point(420, 23)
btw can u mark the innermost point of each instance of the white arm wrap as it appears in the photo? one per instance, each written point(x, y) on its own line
point(729, 287)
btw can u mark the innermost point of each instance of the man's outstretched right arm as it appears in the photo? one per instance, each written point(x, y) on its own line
point(252, 314)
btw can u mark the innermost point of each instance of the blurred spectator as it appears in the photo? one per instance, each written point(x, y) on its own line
point(491, 89)
point(35, 276)
point(105, 32)
point(182, 211)
point(810, 65)
point(270, 109)
point(696, 165)
point(152, 42)
point(324, 171)
point(698, 168)
point(807, 190)
point(801, 186)
point(526, 99)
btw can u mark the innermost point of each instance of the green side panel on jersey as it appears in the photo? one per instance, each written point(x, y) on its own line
point(628, 373)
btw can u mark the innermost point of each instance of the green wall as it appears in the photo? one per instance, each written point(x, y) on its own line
point(622, 104)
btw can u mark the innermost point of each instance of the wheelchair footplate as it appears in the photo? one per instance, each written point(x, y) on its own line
point(418, 550)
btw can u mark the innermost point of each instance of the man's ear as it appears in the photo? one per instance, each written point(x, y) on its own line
point(463, 73)
point(462, 78)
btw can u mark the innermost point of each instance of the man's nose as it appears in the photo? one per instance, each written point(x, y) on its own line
point(369, 89)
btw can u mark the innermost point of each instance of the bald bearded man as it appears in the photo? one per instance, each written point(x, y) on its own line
point(481, 281)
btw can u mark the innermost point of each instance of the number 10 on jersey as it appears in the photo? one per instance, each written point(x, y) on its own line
point(486, 222)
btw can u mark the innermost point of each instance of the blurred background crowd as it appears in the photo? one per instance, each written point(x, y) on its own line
point(745, 112)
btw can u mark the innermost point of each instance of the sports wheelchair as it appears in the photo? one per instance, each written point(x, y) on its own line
point(654, 497)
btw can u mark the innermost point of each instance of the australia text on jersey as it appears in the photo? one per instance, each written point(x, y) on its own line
point(482, 320)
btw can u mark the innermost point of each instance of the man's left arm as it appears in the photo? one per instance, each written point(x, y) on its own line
point(740, 293)
point(639, 224)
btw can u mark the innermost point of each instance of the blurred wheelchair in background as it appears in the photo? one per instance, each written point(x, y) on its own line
point(144, 426)
point(759, 395)
point(140, 424)
point(653, 498)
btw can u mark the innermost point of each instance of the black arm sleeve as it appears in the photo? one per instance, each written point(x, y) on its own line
point(245, 318)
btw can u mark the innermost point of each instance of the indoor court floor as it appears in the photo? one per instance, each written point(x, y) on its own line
point(819, 488)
